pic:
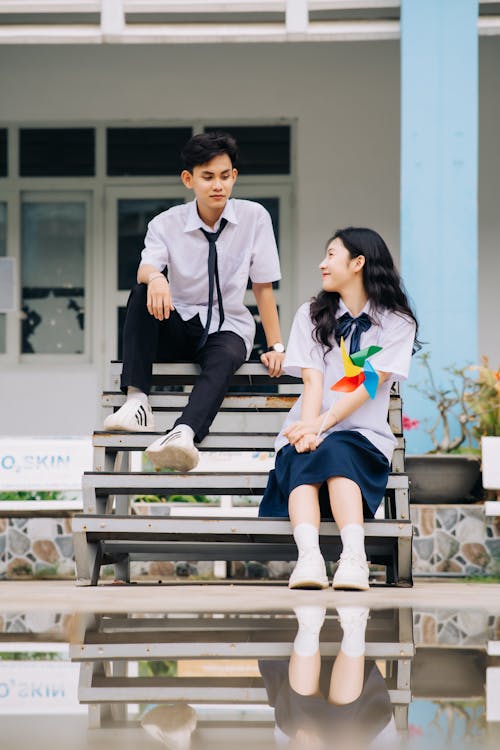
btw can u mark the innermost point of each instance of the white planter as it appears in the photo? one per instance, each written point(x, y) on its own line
point(490, 454)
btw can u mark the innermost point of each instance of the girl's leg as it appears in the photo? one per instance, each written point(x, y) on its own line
point(303, 508)
point(347, 679)
point(347, 509)
point(305, 662)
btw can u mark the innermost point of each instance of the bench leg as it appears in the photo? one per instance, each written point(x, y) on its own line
point(404, 563)
point(88, 560)
point(401, 718)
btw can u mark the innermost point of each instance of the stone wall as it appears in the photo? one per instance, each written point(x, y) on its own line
point(455, 540)
point(450, 540)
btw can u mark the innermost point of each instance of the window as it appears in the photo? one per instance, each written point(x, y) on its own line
point(57, 152)
point(134, 216)
point(145, 151)
point(262, 149)
point(53, 276)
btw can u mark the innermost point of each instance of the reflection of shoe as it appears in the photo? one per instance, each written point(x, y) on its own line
point(174, 451)
point(352, 572)
point(133, 416)
point(172, 724)
point(309, 572)
point(310, 617)
point(353, 622)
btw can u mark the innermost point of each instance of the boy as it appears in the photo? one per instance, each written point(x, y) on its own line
point(188, 303)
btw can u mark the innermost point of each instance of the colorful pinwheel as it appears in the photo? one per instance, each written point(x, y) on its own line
point(358, 370)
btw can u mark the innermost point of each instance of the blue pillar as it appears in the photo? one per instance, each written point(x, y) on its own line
point(439, 164)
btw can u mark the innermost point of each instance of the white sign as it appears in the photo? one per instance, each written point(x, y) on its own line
point(44, 463)
point(39, 687)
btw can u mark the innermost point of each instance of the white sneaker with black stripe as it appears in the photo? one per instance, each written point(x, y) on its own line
point(176, 450)
point(133, 416)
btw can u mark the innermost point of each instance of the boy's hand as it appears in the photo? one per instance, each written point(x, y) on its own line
point(274, 362)
point(159, 302)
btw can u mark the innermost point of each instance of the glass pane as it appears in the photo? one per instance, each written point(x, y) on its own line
point(57, 152)
point(53, 277)
point(273, 206)
point(133, 218)
point(3, 252)
point(262, 149)
point(145, 151)
point(3, 152)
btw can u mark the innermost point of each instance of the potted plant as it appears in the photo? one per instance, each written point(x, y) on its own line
point(484, 401)
point(448, 473)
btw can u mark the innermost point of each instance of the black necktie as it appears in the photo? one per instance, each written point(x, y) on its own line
point(343, 328)
point(213, 274)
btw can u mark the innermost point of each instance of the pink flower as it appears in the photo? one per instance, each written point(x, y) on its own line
point(410, 424)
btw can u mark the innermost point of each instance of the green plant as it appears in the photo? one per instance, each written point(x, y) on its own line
point(31, 495)
point(173, 499)
point(157, 668)
point(452, 405)
point(483, 399)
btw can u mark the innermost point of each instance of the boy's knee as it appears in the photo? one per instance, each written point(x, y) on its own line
point(139, 291)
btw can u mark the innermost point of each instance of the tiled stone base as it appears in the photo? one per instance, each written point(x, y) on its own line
point(441, 627)
point(455, 540)
point(36, 547)
point(450, 540)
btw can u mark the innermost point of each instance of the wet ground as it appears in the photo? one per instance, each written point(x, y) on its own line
point(248, 667)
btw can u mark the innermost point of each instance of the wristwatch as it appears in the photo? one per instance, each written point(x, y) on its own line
point(278, 347)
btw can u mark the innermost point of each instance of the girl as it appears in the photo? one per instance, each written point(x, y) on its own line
point(333, 454)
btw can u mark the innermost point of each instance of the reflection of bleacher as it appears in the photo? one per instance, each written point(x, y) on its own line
point(108, 645)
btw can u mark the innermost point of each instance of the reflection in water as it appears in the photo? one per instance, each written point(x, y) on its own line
point(316, 699)
point(210, 680)
point(309, 678)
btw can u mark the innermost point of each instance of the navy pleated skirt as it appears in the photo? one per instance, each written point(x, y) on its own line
point(344, 453)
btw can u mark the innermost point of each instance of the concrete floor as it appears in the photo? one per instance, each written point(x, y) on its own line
point(64, 596)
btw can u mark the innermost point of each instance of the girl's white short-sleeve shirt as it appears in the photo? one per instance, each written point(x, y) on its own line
point(394, 332)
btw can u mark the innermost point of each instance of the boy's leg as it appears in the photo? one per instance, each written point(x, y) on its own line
point(142, 336)
point(219, 359)
point(222, 355)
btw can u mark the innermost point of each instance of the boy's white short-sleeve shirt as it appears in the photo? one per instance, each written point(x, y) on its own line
point(394, 332)
point(246, 249)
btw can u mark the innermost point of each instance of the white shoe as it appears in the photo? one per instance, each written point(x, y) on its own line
point(309, 572)
point(352, 572)
point(133, 416)
point(174, 451)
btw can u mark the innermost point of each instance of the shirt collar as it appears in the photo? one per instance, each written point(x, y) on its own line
point(193, 220)
point(369, 309)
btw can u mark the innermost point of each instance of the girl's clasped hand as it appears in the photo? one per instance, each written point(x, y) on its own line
point(303, 435)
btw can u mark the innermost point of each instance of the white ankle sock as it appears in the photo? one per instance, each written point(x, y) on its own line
point(353, 538)
point(186, 429)
point(353, 622)
point(306, 538)
point(310, 620)
point(133, 392)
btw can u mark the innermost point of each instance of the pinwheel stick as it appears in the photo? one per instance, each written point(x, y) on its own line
point(323, 422)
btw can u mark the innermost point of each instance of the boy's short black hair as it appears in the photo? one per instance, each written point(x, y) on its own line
point(204, 146)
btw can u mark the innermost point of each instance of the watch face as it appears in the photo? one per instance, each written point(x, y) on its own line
point(278, 348)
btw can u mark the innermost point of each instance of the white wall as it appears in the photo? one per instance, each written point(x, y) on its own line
point(345, 99)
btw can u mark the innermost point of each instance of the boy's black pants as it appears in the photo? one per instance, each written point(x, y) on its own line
point(147, 340)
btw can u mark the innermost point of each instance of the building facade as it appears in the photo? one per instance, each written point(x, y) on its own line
point(95, 106)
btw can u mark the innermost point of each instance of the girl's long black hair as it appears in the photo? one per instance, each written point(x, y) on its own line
point(381, 281)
